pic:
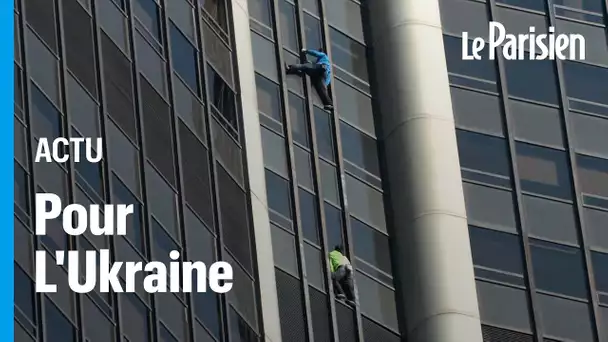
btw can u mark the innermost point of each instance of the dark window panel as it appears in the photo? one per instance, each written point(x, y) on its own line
point(312, 32)
point(544, 171)
point(91, 173)
point(504, 306)
point(346, 16)
point(242, 296)
point(216, 9)
point(324, 132)
point(299, 120)
point(354, 106)
point(17, 36)
point(172, 312)
point(261, 10)
point(594, 53)
point(311, 6)
point(195, 167)
point(555, 221)
point(321, 322)
point(181, 13)
point(58, 327)
point(347, 329)
point(532, 79)
point(359, 149)
point(279, 195)
point(365, 203)
point(274, 154)
point(227, 150)
point(240, 331)
point(83, 110)
point(378, 302)
point(159, 137)
point(289, 33)
point(184, 57)
point(43, 66)
point(222, 98)
point(24, 294)
point(24, 247)
point(64, 298)
point(124, 157)
point(291, 311)
point(584, 5)
point(21, 334)
point(151, 64)
point(294, 83)
point(46, 119)
point(97, 327)
point(600, 270)
point(497, 256)
point(22, 189)
point(124, 251)
point(603, 320)
point(284, 250)
point(309, 216)
point(375, 332)
point(333, 226)
point(79, 44)
point(138, 329)
point(148, 14)
point(314, 266)
point(595, 226)
point(122, 195)
point(586, 82)
point(590, 134)
point(20, 142)
point(269, 100)
point(189, 108)
point(233, 200)
point(492, 333)
point(162, 201)
point(565, 319)
point(164, 335)
point(458, 16)
point(481, 74)
point(40, 14)
point(537, 124)
point(593, 175)
point(162, 243)
point(206, 309)
point(217, 53)
point(349, 54)
point(18, 91)
point(371, 245)
point(264, 56)
point(519, 22)
point(329, 182)
point(114, 23)
point(551, 261)
point(537, 5)
point(483, 155)
point(118, 87)
point(303, 168)
point(477, 111)
point(101, 241)
point(53, 179)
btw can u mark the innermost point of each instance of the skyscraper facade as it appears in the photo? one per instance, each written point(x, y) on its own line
point(470, 196)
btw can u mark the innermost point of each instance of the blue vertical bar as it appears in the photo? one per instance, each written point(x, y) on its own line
point(6, 169)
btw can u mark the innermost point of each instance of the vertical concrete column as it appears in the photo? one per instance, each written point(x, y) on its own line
point(257, 180)
point(433, 261)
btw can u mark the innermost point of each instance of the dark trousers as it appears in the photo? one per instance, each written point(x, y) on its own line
point(343, 280)
point(316, 72)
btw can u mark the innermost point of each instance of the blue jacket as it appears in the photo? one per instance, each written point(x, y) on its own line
point(323, 60)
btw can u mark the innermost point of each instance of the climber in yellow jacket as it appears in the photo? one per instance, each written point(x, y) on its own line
point(341, 274)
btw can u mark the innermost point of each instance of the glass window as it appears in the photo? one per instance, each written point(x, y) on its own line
point(173, 313)
point(600, 270)
point(535, 123)
point(206, 309)
point(550, 220)
point(348, 54)
point(200, 333)
point(333, 225)
point(264, 56)
point(279, 198)
point(222, 97)
point(596, 226)
point(299, 119)
point(294, 83)
point(58, 327)
point(274, 152)
point(189, 108)
point(89, 175)
point(113, 22)
point(303, 168)
point(217, 11)
point(594, 53)
point(497, 256)
point(24, 294)
point(148, 13)
point(359, 149)
point(184, 58)
point(329, 182)
point(239, 329)
point(139, 325)
point(97, 327)
point(124, 251)
point(519, 22)
point(603, 320)
point(162, 201)
point(503, 306)
point(22, 192)
point(346, 16)
point(490, 207)
point(260, 10)
point(43, 66)
point(590, 134)
point(24, 253)
point(124, 157)
point(593, 175)
point(20, 142)
point(483, 69)
point(585, 5)
point(324, 132)
point(378, 301)
point(483, 153)
point(18, 91)
point(312, 32)
point(217, 52)
point(121, 195)
point(543, 171)
point(204, 249)
point(371, 245)
point(532, 79)
point(538, 5)
point(289, 34)
point(284, 250)
point(586, 82)
point(162, 243)
point(46, 119)
point(269, 101)
point(314, 266)
point(82, 108)
point(567, 319)
point(458, 16)
point(551, 262)
point(182, 14)
point(309, 215)
point(354, 106)
point(365, 203)
point(151, 64)
point(242, 296)
point(477, 111)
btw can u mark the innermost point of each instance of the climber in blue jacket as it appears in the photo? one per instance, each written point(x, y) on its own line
point(319, 72)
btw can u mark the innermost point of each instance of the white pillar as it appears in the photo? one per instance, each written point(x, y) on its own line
point(257, 180)
point(433, 262)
